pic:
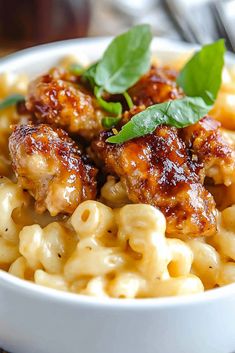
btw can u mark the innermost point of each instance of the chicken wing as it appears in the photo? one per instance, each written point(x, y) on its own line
point(156, 169)
point(52, 168)
point(54, 99)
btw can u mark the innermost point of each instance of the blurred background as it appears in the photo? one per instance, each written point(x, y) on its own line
point(26, 23)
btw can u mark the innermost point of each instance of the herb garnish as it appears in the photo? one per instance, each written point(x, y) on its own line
point(179, 113)
point(89, 75)
point(125, 60)
point(11, 100)
point(110, 121)
point(110, 107)
point(128, 100)
point(201, 76)
point(200, 79)
point(114, 108)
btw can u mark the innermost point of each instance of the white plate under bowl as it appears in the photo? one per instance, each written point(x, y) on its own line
point(34, 319)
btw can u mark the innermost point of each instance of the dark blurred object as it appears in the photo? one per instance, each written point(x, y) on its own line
point(225, 15)
point(195, 21)
point(210, 21)
point(30, 22)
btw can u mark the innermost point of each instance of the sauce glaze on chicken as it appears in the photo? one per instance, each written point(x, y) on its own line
point(157, 169)
point(166, 169)
point(51, 166)
point(56, 99)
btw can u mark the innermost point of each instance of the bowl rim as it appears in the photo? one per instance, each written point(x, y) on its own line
point(40, 292)
point(158, 44)
point(27, 288)
point(164, 43)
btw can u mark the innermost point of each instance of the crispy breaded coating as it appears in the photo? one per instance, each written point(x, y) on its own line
point(156, 169)
point(206, 141)
point(55, 99)
point(52, 168)
point(157, 86)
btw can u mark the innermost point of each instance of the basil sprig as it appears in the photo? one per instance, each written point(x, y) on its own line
point(114, 108)
point(201, 76)
point(128, 100)
point(11, 100)
point(179, 113)
point(109, 121)
point(125, 60)
point(89, 75)
point(200, 79)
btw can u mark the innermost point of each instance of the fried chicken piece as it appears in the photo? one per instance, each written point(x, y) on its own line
point(53, 99)
point(157, 86)
point(204, 138)
point(52, 168)
point(156, 169)
point(206, 141)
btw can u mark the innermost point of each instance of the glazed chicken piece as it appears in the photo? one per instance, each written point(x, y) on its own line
point(157, 86)
point(204, 138)
point(55, 99)
point(156, 169)
point(207, 142)
point(52, 168)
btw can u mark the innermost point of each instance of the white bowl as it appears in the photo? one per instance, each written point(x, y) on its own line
point(35, 319)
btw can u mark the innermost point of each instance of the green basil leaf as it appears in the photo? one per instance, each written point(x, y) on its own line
point(114, 108)
point(128, 100)
point(202, 75)
point(125, 60)
point(179, 113)
point(108, 122)
point(76, 69)
point(11, 100)
point(110, 107)
point(89, 75)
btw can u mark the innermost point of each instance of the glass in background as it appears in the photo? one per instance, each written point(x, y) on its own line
point(26, 23)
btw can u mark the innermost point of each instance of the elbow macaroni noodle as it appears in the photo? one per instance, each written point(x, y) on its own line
point(120, 253)
point(9, 84)
point(112, 248)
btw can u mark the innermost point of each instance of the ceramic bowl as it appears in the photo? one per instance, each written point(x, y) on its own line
point(34, 319)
